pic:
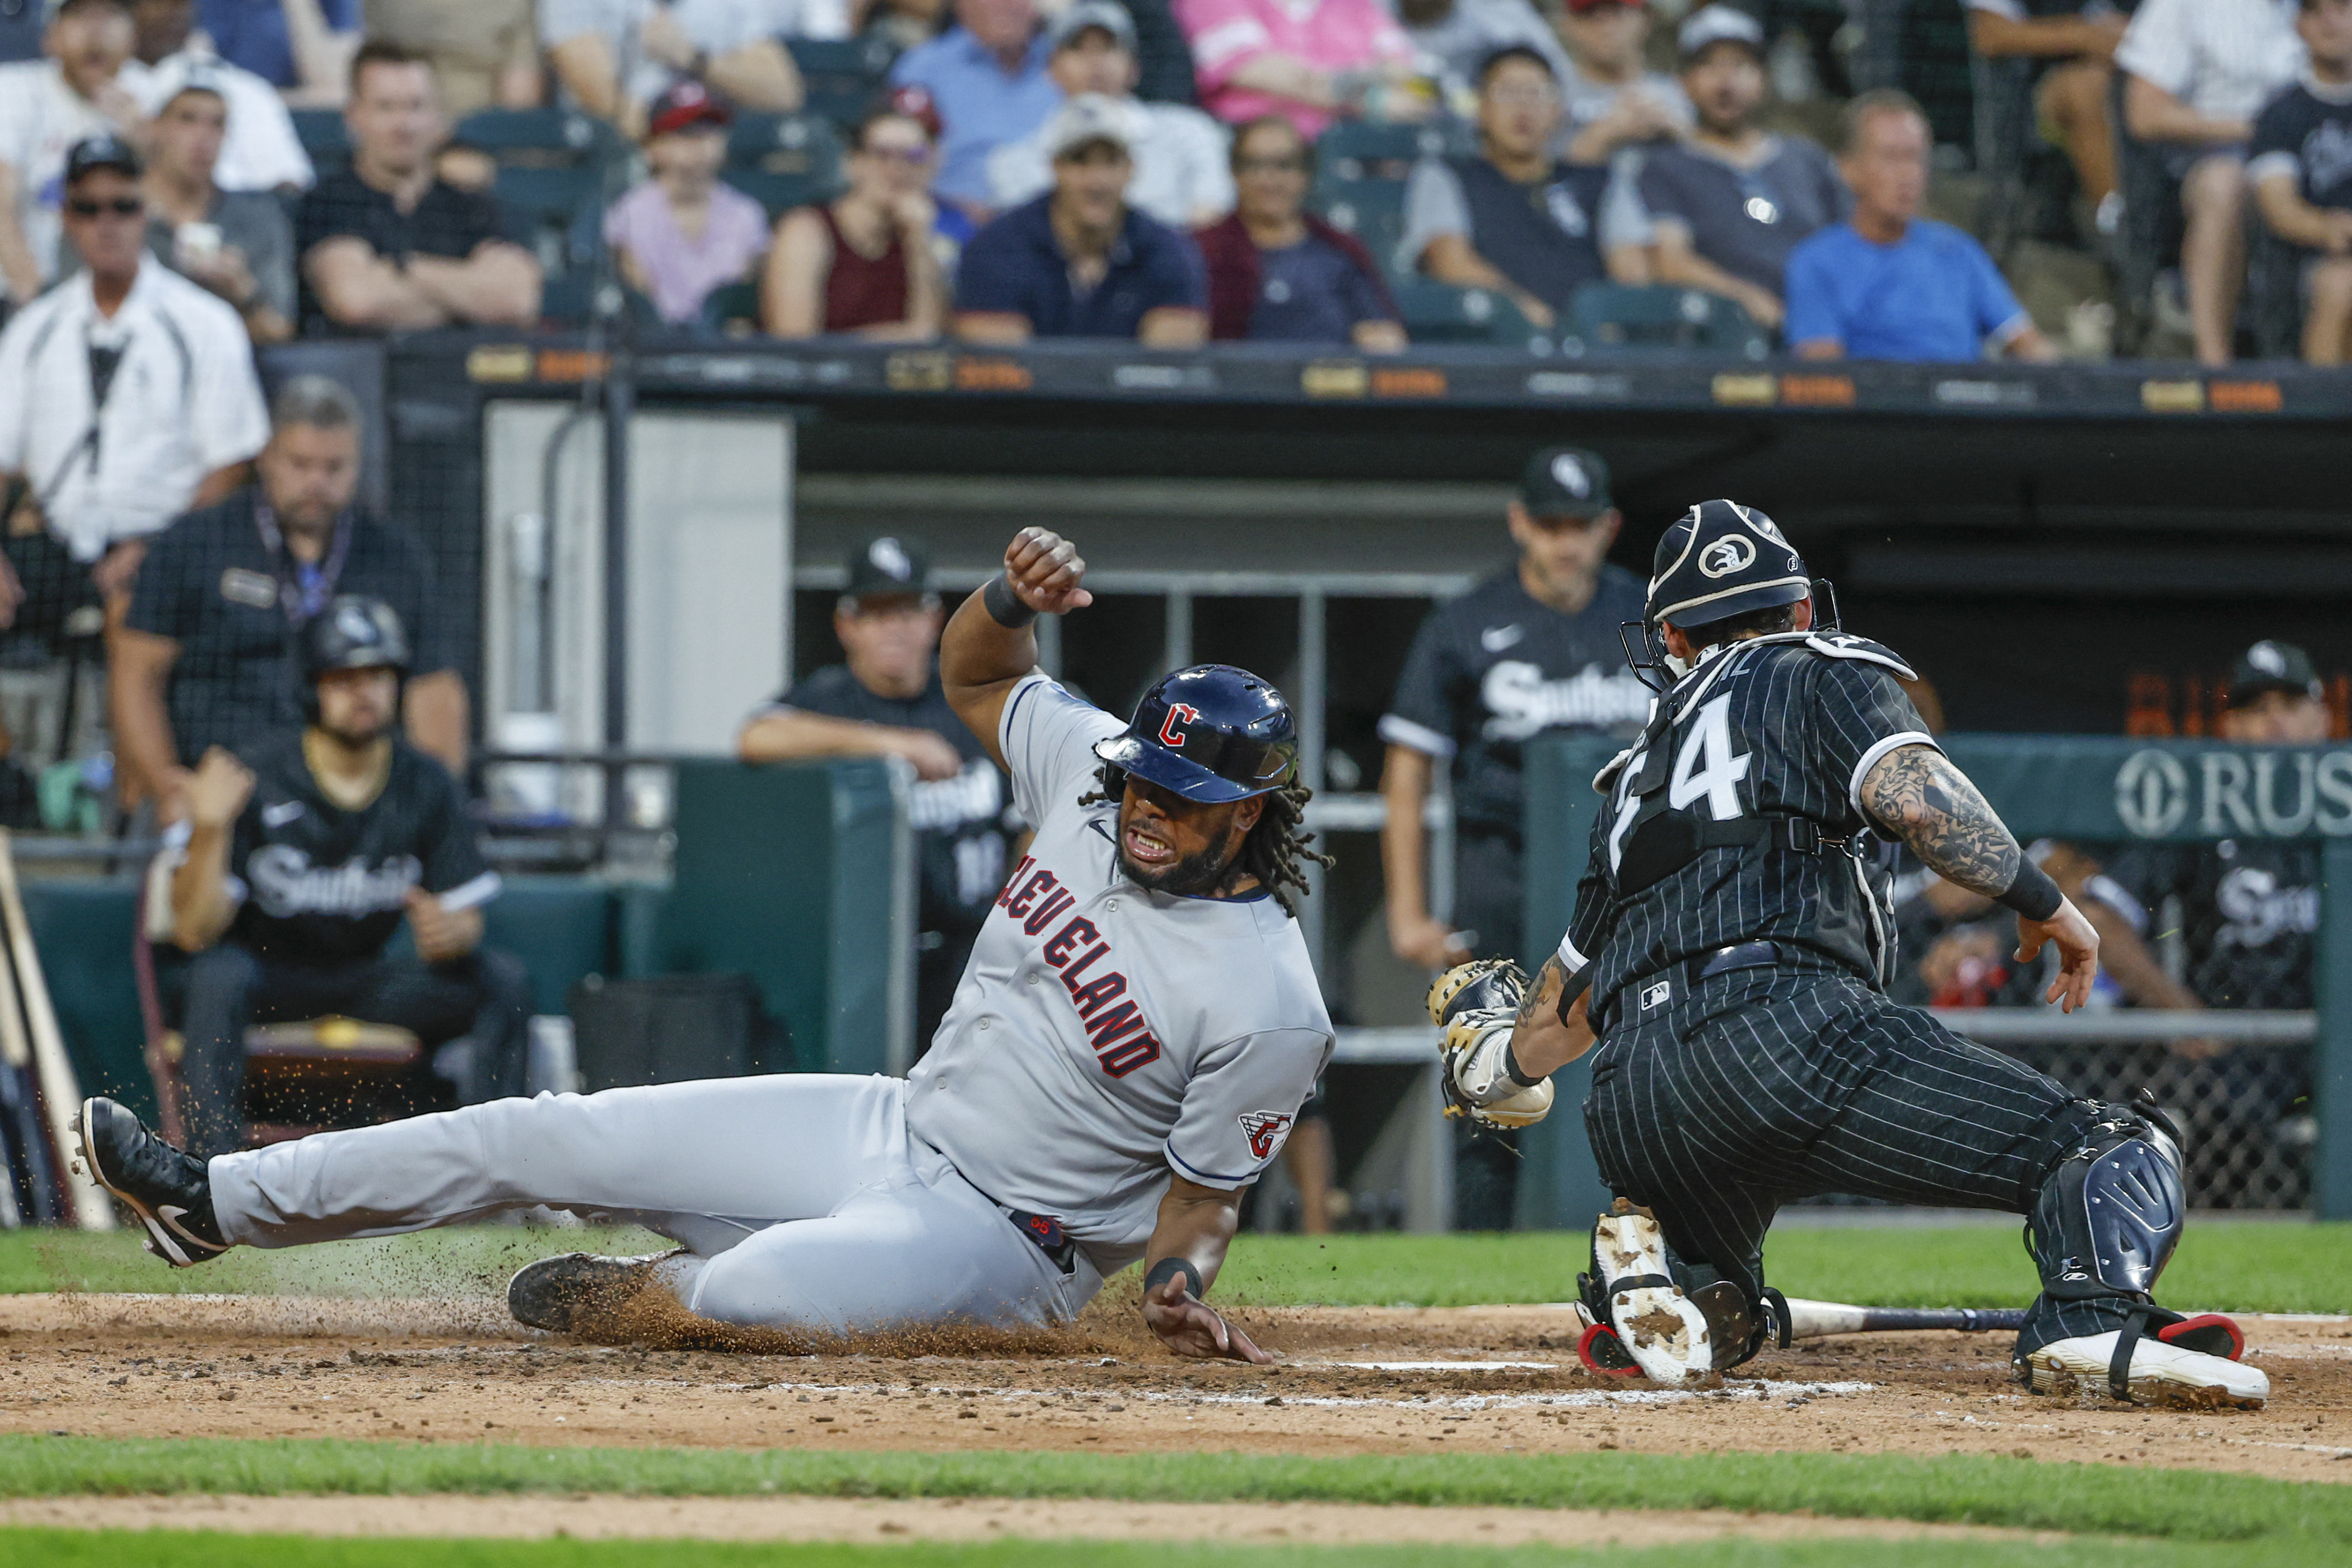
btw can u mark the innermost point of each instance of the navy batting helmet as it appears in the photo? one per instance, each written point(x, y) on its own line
point(1721, 559)
point(1211, 733)
point(353, 632)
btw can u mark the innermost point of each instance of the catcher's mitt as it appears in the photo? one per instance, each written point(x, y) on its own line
point(1475, 1004)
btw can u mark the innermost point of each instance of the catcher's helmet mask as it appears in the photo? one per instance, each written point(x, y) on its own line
point(1718, 560)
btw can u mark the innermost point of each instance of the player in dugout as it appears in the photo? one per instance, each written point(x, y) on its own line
point(885, 699)
point(1132, 1040)
point(1728, 954)
point(298, 864)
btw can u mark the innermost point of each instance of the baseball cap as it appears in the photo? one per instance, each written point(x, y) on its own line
point(2274, 666)
point(103, 151)
point(1108, 15)
point(1565, 482)
point(1087, 118)
point(888, 565)
point(685, 104)
point(1718, 24)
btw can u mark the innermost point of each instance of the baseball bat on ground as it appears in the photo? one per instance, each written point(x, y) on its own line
point(1819, 1320)
point(60, 1091)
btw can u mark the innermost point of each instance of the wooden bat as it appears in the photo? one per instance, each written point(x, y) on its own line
point(60, 1091)
point(1819, 1320)
point(31, 1173)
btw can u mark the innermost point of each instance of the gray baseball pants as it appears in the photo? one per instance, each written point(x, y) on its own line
point(801, 1199)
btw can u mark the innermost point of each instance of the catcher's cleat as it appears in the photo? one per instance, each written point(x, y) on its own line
point(168, 1190)
point(2160, 1373)
point(1662, 1328)
point(564, 1294)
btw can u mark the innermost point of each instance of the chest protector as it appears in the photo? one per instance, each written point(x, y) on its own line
point(1671, 810)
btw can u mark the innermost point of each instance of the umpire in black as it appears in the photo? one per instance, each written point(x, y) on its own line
point(301, 861)
point(1730, 949)
point(1533, 648)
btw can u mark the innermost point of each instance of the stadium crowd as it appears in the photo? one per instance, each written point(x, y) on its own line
point(1169, 171)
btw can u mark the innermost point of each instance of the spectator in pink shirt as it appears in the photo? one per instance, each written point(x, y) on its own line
point(683, 233)
point(1311, 61)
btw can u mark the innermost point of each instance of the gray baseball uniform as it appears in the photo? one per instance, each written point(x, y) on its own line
point(1103, 1036)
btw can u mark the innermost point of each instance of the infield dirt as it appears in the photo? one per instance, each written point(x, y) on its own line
point(1350, 1380)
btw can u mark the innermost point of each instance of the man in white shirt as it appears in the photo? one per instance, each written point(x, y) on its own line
point(261, 150)
point(126, 395)
point(1180, 174)
point(46, 105)
point(2195, 72)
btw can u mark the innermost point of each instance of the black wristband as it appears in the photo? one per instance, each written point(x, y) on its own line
point(2033, 894)
point(1512, 1071)
point(1004, 605)
point(1167, 1268)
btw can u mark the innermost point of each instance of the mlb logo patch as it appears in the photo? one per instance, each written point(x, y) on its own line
point(1265, 1131)
point(1656, 995)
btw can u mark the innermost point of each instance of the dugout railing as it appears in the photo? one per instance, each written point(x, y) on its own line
point(2266, 1095)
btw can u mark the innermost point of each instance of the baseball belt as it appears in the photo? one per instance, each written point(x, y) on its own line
point(1659, 988)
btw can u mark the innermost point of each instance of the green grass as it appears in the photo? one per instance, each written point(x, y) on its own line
point(2254, 1267)
point(2100, 1500)
point(2247, 1267)
point(74, 1549)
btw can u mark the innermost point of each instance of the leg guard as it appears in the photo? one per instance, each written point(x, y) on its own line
point(2106, 1221)
point(2110, 1211)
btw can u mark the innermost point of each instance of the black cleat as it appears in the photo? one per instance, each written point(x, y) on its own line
point(562, 1294)
point(167, 1189)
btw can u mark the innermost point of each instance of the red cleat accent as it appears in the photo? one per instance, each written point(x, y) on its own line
point(2207, 1331)
point(1604, 1355)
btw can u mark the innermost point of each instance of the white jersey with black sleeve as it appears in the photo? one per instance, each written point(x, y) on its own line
point(1104, 1035)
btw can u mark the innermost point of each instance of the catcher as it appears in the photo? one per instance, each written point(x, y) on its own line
point(1728, 951)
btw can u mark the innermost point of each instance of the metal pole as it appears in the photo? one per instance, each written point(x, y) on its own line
point(2331, 1059)
point(620, 404)
point(1308, 702)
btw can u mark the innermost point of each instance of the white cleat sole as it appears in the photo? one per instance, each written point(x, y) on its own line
point(1662, 1328)
point(2160, 1374)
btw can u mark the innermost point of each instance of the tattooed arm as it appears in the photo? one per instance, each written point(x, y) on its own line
point(1916, 794)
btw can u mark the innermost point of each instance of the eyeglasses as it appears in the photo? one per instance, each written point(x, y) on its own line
point(1524, 97)
point(1271, 166)
point(120, 206)
point(913, 157)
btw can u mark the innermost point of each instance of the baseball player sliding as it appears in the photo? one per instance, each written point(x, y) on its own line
point(1728, 950)
point(1130, 1042)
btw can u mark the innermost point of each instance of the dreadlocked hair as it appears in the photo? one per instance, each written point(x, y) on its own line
point(1276, 851)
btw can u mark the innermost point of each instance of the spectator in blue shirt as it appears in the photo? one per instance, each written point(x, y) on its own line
point(1886, 283)
point(1078, 262)
point(987, 78)
point(256, 34)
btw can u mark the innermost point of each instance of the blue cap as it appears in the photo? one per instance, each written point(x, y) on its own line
point(1211, 733)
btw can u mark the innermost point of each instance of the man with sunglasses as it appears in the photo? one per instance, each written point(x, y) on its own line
point(126, 395)
point(886, 700)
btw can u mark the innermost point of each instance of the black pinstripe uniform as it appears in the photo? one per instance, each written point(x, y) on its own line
point(1730, 1082)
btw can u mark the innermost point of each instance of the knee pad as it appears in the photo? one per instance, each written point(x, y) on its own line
point(2111, 1210)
